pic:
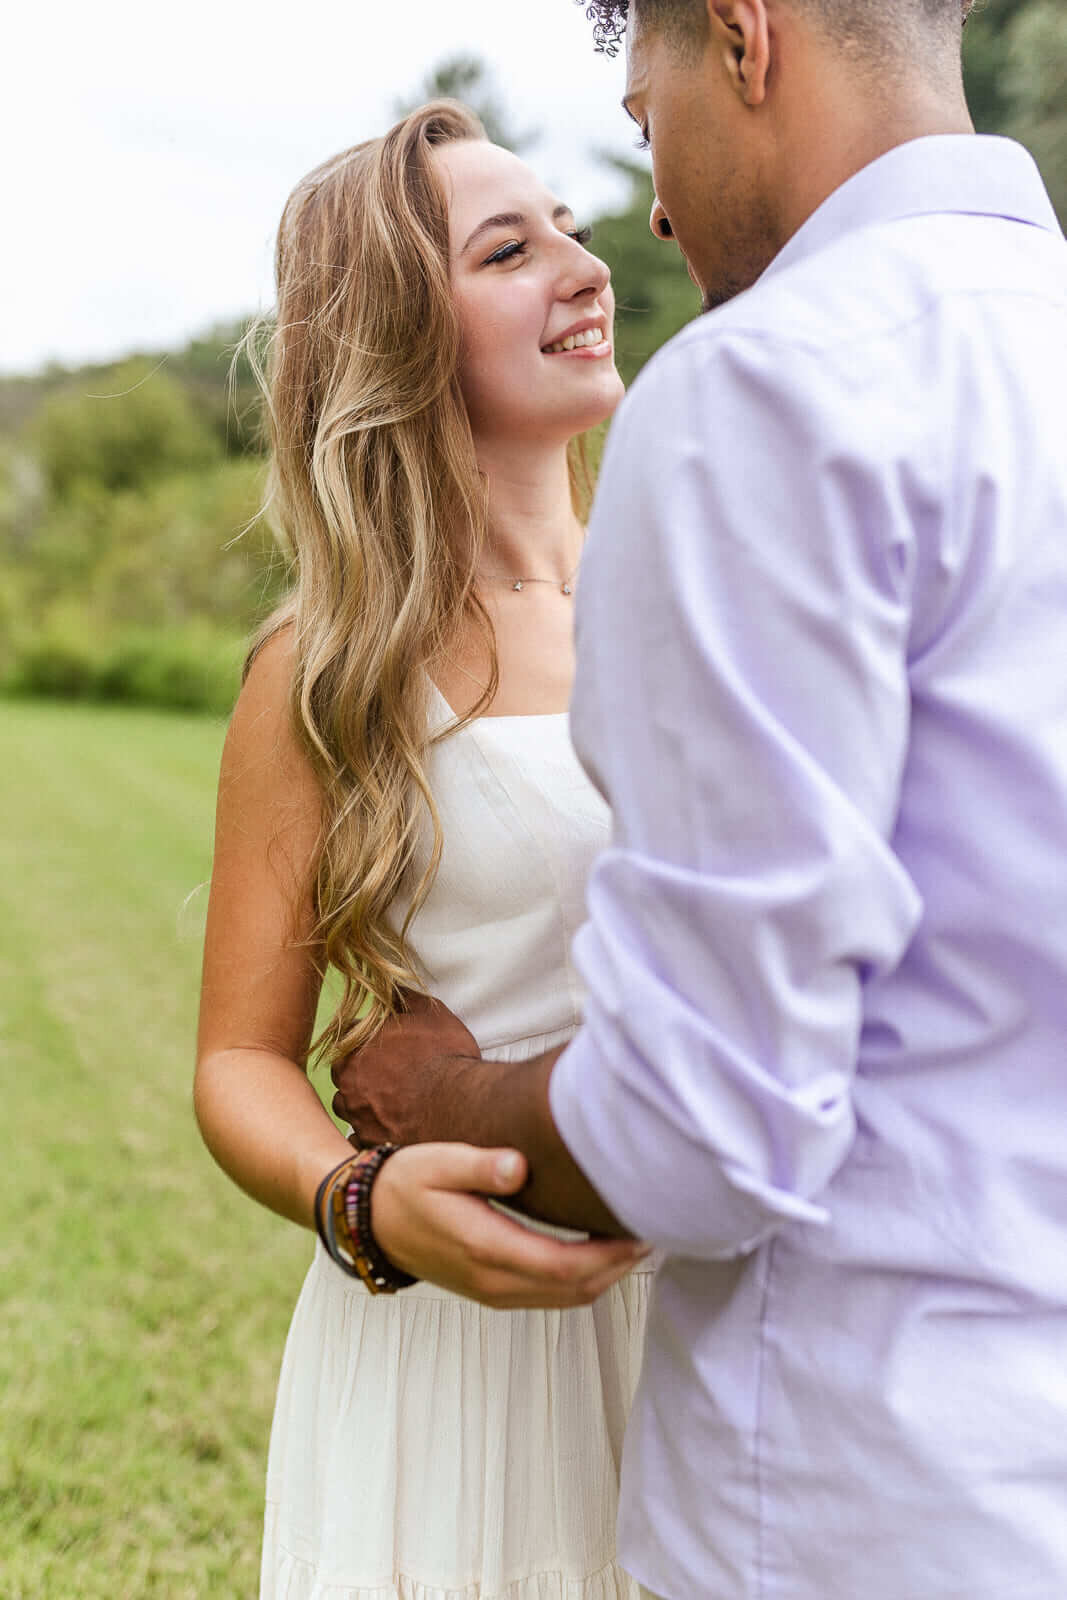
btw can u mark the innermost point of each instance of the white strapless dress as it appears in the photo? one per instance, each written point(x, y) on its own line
point(424, 1447)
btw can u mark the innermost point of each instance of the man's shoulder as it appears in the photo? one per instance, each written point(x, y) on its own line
point(794, 317)
point(875, 284)
point(923, 342)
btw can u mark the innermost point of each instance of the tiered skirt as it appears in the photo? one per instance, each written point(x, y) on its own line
point(427, 1448)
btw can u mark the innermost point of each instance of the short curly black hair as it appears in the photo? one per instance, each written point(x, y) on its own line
point(609, 24)
point(687, 19)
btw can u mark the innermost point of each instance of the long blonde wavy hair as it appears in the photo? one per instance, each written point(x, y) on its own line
point(375, 493)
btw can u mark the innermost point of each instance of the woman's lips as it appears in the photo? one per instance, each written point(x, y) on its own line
point(588, 352)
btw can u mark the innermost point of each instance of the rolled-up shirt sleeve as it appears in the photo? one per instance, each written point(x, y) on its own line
point(742, 702)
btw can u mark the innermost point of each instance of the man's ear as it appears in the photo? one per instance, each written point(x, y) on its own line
point(740, 33)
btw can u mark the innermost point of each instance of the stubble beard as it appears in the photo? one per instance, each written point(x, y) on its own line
point(722, 294)
point(742, 259)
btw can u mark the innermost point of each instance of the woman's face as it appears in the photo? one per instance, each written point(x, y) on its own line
point(536, 310)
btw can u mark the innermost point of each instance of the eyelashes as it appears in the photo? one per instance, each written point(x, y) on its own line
point(518, 247)
point(642, 142)
point(506, 252)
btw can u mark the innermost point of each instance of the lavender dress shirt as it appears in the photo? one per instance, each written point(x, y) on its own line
point(822, 682)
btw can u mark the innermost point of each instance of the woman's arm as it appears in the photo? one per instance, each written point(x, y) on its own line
point(260, 1117)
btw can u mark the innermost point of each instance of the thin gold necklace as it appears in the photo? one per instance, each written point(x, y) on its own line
point(518, 584)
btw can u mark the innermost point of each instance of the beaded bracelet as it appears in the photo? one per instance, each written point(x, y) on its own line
point(379, 1274)
point(325, 1219)
point(343, 1220)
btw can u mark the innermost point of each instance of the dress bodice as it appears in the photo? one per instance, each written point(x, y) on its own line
point(521, 826)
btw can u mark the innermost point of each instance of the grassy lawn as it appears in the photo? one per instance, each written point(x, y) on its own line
point(144, 1301)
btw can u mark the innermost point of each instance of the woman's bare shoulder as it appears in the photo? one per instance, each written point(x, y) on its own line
point(268, 679)
point(262, 746)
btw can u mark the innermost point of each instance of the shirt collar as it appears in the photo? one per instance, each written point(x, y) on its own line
point(975, 173)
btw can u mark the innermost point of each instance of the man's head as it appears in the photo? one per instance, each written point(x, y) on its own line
point(686, 19)
point(756, 110)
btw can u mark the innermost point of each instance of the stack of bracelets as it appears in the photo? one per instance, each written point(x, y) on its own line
point(342, 1217)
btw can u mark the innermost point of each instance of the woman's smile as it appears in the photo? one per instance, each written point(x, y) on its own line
point(584, 338)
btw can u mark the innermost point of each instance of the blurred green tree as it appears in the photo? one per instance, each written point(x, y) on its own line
point(653, 291)
point(1015, 69)
point(179, 548)
point(138, 425)
point(1035, 90)
point(983, 61)
point(222, 389)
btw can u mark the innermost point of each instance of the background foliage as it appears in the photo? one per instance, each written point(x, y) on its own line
point(131, 563)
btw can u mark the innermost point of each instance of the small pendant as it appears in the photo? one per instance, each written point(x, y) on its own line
point(517, 585)
point(565, 588)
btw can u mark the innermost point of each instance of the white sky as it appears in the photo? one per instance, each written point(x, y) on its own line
point(149, 148)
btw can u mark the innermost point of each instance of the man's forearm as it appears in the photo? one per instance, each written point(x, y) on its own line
point(492, 1103)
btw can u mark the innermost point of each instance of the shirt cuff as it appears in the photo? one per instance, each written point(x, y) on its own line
point(668, 1188)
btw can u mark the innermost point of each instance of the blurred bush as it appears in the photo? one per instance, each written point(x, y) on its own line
point(192, 668)
point(654, 294)
point(1015, 65)
point(141, 427)
point(132, 561)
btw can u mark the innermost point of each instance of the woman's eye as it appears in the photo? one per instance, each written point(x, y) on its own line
point(507, 252)
point(518, 247)
point(642, 142)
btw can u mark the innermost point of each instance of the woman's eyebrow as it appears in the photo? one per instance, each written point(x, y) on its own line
point(510, 219)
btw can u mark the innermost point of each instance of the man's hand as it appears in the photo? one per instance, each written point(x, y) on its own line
point(387, 1090)
point(423, 1080)
point(430, 1218)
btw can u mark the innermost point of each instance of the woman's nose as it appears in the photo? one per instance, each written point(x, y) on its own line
point(590, 276)
point(659, 221)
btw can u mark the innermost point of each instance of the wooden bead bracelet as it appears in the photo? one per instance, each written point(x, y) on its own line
point(343, 1221)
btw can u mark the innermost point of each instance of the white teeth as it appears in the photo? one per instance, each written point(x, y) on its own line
point(577, 341)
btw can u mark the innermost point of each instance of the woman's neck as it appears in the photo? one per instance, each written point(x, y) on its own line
point(533, 529)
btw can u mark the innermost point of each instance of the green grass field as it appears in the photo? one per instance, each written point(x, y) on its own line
point(144, 1301)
